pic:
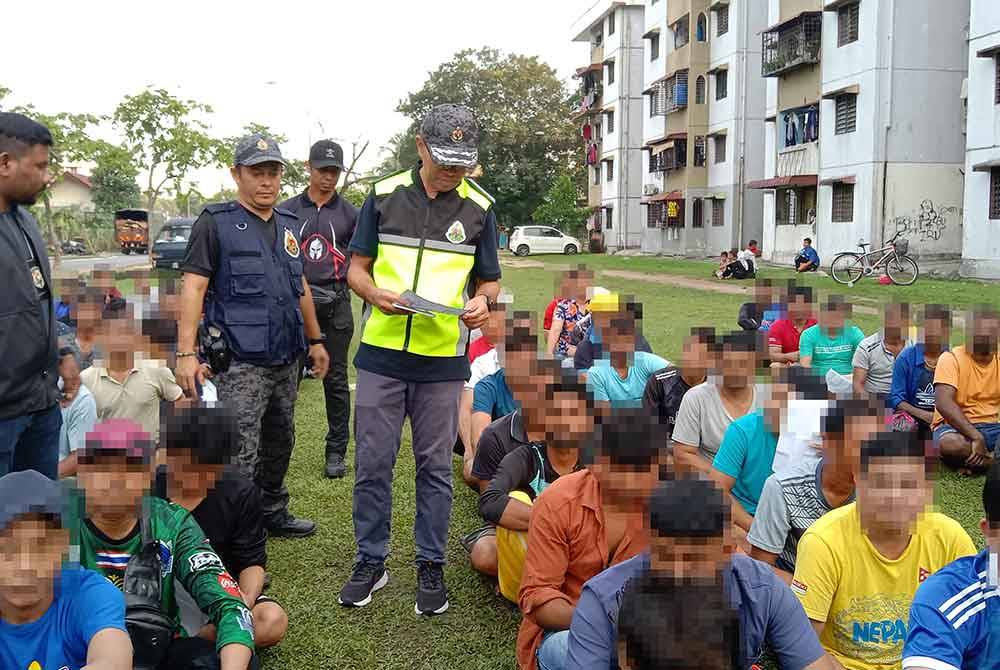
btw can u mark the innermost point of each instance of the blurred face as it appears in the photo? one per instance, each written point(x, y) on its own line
point(696, 358)
point(625, 487)
point(895, 324)
point(31, 555)
point(102, 278)
point(775, 405)
point(579, 286)
point(981, 339)
point(806, 243)
point(833, 320)
point(23, 177)
point(689, 558)
point(189, 479)
point(69, 370)
point(567, 420)
point(323, 179)
point(88, 316)
point(617, 331)
point(113, 485)
point(845, 448)
point(935, 335)
point(518, 367)
point(441, 178)
point(259, 185)
point(763, 294)
point(799, 309)
point(893, 492)
point(737, 368)
point(120, 335)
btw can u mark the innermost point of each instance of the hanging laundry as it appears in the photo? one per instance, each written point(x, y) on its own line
point(587, 132)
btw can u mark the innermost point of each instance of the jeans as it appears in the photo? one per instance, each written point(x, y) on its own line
point(337, 323)
point(551, 654)
point(381, 406)
point(31, 442)
point(990, 431)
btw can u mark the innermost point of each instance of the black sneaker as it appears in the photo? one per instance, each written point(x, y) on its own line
point(289, 526)
point(366, 579)
point(335, 466)
point(432, 596)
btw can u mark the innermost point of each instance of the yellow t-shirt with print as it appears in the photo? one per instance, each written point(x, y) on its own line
point(863, 597)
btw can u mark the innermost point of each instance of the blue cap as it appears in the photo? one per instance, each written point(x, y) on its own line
point(28, 492)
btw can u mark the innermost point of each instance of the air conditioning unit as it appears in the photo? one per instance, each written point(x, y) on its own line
point(650, 189)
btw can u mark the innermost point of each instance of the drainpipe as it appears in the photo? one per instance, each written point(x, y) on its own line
point(888, 120)
point(625, 87)
point(741, 125)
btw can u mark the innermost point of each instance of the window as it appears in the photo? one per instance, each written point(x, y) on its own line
point(697, 214)
point(847, 113)
point(996, 94)
point(550, 232)
point(699, 90)
point(607, 217)
point(699, 151)
point(847, 24)
point(656, 213)
point(718, 212)
point(682, 30)
point(720, 148)
point(654, 47)
point(610, 170)
point(701, 28)
point(722, 20)
point(610, 122)
point(611, 72)
point(597, 174)
point(597, 130)
point(611, 23)
point(788, 207)
point(721, 84)
point(995, 193)
point(652, 104)
point(843, 203)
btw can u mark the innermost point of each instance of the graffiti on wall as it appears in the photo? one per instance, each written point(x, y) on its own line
point(928, 223)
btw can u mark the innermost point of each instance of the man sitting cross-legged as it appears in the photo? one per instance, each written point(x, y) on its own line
point(200, 444)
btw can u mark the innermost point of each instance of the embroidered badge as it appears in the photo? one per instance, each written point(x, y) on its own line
point(316, 248)
point(37, 278)
point(457, 135)
point(456, 234)
point(262, 145)
point(291, 244)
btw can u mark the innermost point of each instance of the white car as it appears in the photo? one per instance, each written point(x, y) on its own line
point(542, 240)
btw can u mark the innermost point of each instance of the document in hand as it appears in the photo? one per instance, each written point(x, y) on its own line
point(423, 305)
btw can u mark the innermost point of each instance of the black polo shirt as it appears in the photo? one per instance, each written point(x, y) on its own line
point(497, 440)
point(325, 233)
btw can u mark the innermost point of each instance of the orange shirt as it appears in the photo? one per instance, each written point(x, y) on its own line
point(977, 387)
point(567, 545)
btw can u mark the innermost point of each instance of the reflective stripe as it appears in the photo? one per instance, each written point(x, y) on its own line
point(466, 249)
point(392, 182)
point(470, 190)
point(399, 240)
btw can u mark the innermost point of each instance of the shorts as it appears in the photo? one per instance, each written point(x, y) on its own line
point(990, 431)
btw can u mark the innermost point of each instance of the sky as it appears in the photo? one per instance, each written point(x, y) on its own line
point(309, 70)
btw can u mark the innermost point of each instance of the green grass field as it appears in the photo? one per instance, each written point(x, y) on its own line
point(479, 630)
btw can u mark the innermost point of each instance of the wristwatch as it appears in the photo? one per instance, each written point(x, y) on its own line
point(317, 340)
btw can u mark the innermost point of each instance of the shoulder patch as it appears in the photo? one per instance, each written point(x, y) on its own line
point(205, 560)
point(218, 207)
point(286, 212)
point(291, 244)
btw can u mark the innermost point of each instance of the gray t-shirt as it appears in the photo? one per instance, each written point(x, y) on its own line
point(702, 418)
point(871, 355)
point(790, 502)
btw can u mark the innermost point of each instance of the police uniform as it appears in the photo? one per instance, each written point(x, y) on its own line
point(255, 283)
point(415, 365)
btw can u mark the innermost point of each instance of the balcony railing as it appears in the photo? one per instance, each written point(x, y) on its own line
point(792, 44)
point(671, 94)
point(591, 100)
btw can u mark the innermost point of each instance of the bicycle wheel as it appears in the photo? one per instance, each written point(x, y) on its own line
point(902, 270)
point(847, 268)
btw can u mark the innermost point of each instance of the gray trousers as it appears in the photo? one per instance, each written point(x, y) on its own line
point(381, 406)
point(264, 402)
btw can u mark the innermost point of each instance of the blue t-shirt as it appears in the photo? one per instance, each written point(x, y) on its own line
point(769, 612)
point(605, 384)
point(809, 253)
point(493, 396)
point(955, 617)
point(85, 603)
point(747, 454)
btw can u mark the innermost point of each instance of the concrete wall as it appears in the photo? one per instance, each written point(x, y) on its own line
point(924, 202)
point(71, 193)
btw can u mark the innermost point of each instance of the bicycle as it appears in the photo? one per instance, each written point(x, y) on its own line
point(848, 267)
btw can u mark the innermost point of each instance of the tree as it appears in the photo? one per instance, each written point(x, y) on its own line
point(166, 137)
point(560, 209)
point(113, 181)
point(355, 194)
point(527, 137)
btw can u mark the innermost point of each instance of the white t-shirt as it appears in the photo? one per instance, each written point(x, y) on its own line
point(482, 367)
point(702, 419)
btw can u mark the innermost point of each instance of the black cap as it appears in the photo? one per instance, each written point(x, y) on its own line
point(452, 135)
point(326, 153)
point(256, 149)
point(28, 492)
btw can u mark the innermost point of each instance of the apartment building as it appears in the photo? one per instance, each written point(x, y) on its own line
point(610, 120)
point(864, 132)
point(980, 241)
point(703, 120)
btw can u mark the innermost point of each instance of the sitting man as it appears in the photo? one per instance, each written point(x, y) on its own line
point(619, 377)
point(830, 344)
point(784, 334)
point(52, 615)
point(693, 566)
point(955, 614)
point(79, 411)
point(589, 347)
point(807, 260)
point(876, 354)
point(763, 311)
point(912, 394)
point(967, 396)
point(120, 520)
point(527, 471)
point(707, 410)
point(665, 389)
point(200, 444)
point(794, 498)
point(859, 565)
point(583, 523)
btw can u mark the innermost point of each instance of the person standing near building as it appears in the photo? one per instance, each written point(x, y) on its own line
point(30, 416)
point(428, 229)
point(326, 225)
point(243, 268)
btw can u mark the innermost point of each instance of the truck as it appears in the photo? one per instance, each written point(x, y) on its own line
point(132, 230)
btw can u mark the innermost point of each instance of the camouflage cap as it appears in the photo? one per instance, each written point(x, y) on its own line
point(256, 149)
point(452, 135)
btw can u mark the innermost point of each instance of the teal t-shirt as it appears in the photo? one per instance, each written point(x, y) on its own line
point(746, 454)
point(606, 385)
point(830, 353)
